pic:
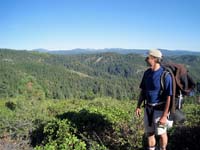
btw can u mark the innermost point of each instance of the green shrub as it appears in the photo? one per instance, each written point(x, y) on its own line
point(59, 134)
point(99, 124)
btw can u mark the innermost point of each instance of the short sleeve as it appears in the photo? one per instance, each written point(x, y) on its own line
point(168, 85)
point(142, 84)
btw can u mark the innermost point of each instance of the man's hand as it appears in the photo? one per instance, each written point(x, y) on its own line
point(163, 120)
point(138, 112)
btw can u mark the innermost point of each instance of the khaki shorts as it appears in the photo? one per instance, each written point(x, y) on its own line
point(155, 127)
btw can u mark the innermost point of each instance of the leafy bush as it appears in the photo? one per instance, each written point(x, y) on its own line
point(99, 124)
point(192, 112)
point(60, 135)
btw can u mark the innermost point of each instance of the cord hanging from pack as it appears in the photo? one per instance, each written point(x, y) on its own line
point(180, 100)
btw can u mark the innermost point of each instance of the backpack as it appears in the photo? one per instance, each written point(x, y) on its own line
point(182, 84)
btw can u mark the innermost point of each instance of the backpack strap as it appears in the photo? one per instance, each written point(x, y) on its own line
point(162, 81)
point(167, 71)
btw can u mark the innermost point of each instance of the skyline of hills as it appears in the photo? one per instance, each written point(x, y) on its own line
point(165, 52)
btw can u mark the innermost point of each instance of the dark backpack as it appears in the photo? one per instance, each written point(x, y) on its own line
point(183, 85)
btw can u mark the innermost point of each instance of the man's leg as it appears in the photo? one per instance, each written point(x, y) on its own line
point(151, 141)
point(150, 132)
point(161, 130)
point(163, 141)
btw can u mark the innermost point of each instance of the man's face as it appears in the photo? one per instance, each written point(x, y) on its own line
point(150, 60)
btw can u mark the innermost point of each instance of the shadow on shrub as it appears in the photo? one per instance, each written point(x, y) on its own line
point(184, 138)
point(87, 121)
point(37, 135)
point(93, 127)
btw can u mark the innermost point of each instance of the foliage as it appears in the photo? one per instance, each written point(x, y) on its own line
point(59, 135)
point(186, 136)
point(82, 101)
point(102, 123)
point(85, 76)
point(61, 77)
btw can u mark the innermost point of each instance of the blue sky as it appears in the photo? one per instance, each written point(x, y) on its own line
point(69, 24)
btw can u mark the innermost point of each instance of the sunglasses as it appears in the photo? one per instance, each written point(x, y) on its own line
point(147, 58)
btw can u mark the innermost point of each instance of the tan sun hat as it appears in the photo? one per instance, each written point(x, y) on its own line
point(155, 52)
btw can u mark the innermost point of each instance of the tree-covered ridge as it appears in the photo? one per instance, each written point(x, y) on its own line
point(42, 75)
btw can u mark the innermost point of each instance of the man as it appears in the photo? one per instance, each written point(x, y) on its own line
point(157, 101)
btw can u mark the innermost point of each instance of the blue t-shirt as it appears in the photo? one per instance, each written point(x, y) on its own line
point(151, 85)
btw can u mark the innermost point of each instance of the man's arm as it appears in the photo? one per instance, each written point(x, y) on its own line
point(168, 88)
point(163, 118)
point(140, 100)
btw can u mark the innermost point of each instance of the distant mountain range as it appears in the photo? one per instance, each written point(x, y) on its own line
point(116, 50)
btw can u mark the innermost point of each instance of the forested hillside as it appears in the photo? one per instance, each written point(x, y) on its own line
point(41, 75)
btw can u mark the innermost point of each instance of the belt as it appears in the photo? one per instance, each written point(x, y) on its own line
point(157, 106)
